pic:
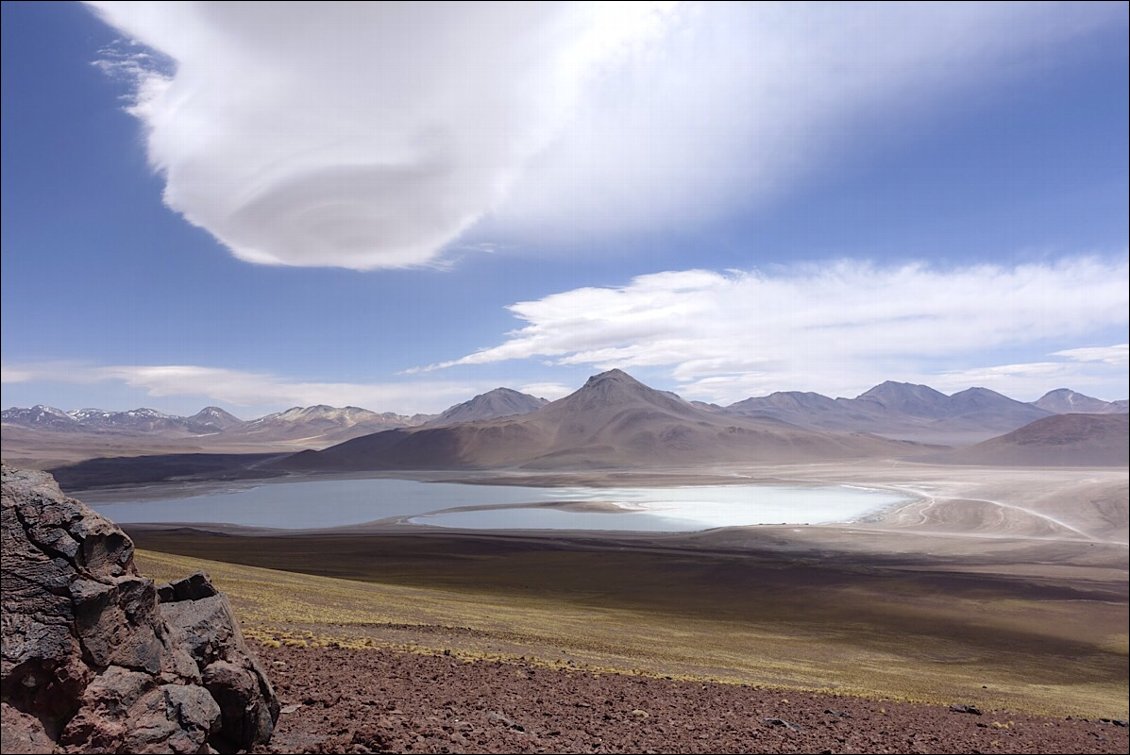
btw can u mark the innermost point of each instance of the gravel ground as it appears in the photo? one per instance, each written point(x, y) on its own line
point(371, 700)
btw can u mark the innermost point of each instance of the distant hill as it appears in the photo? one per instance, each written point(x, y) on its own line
point(39, 417)
point(1067, 401)
point(319, 424)
point(135, 421)
point(501, 402)
point(900, 411)
point(613, 420)
point(310, 421)
point(1062, 440)
point(45, 436)
point(906, 399)
point(215, 419)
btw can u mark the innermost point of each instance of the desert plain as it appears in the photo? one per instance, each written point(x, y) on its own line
point(1001, 588)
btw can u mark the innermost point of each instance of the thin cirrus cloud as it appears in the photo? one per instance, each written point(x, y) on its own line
point(258, 390)
point(836, 328)
point(374, 135)
point(1117, 355)
point(1032, 379)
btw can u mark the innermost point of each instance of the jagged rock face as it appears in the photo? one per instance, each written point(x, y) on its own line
point(202, 617)
point(93, 660)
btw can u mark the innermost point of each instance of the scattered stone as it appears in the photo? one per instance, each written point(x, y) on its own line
point(498, 718)
point(782, 722)
point(973, 709)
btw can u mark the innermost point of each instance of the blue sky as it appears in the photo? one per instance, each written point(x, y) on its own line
point(397, 207)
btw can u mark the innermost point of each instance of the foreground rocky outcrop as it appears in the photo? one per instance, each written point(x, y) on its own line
point(98, 658)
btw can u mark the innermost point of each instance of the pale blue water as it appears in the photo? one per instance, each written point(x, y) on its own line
point(337, 503)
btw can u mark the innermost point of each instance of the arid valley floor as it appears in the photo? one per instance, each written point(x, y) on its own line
point(998, 589)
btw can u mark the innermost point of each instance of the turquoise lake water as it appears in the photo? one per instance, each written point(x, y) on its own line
point(314, 504)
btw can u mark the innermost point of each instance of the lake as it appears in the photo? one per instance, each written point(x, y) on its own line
point(321, 503)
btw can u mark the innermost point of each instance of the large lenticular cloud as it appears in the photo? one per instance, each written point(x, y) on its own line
point(370, 135)
point(359, 135)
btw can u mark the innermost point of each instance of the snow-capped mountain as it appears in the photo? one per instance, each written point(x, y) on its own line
point(326, 422)
point(39, 417)
point(134, 420)
point(299, 422)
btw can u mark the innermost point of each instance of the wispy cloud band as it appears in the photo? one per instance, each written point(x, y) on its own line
point(242, 388)
point(836, 328)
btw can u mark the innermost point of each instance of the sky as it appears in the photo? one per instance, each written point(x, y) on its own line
point(399, 206)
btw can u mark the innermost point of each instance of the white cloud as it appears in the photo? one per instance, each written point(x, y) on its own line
point(1030, 380)
point(742, 100)
point(368, 135)
point(261, 390)
point(1119, 354)
point(551, 391)
point(358, 135)
point(836, 328)
point(10, 375)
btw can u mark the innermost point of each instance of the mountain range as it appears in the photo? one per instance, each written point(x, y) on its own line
point(321, 422)
point(899, 410)
point(208, 420)
point(612, 419)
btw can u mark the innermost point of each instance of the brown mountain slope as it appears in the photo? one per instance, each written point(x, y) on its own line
point(1067, 401)
point(613, 420)
point(1062, 440)
point(501, 402)
point(900, 411)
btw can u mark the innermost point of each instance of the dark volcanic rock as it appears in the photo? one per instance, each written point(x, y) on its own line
point(92, 661)
point(248, 707)
point(190, 588)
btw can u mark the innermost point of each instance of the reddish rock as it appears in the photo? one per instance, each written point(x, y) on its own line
point(20, 732)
